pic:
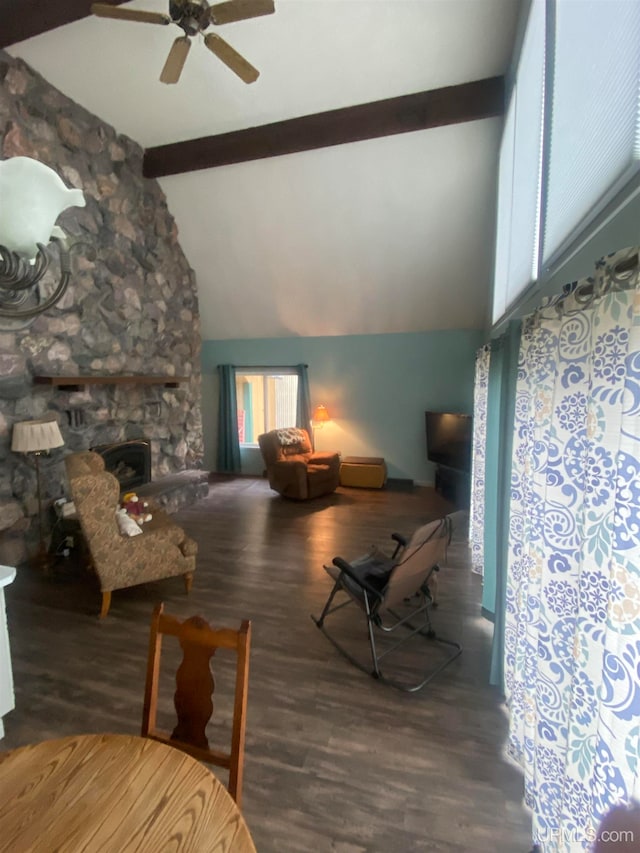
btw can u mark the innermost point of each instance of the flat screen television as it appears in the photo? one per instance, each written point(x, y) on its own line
point(449, 439)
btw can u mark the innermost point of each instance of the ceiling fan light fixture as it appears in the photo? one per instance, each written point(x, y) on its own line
point(190, 15)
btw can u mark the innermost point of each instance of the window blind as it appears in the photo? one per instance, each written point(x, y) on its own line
point(525, 212)
point(519, 174)
point(503, 226)
point(594, 146)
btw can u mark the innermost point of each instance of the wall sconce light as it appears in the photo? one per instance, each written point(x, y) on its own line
point(320, 417)
point(32, 197)
point(37, 437)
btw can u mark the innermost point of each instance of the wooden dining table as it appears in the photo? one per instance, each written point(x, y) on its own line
point(105, 792)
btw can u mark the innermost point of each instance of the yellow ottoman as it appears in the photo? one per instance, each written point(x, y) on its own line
point(364, 472)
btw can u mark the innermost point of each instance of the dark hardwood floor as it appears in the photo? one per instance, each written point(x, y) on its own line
point(335, 761)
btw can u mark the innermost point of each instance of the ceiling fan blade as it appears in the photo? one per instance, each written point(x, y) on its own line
point(231, 58)
point(239, 10)
point(105, 10)
point(176, 60)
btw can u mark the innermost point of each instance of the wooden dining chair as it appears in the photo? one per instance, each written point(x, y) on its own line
point(194, 690)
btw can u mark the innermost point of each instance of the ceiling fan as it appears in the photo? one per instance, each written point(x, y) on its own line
point(193, 17)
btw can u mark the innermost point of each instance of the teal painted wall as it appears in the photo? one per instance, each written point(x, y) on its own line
point(376, 388)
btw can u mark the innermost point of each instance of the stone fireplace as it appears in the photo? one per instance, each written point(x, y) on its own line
point(131, 310)
point(128, 461)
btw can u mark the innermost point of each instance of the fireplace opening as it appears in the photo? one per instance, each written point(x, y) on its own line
point(128, 461)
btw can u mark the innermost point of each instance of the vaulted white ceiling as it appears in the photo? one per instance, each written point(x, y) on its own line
point(386, 235)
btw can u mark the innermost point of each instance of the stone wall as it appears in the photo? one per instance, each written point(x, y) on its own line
point(131, 307)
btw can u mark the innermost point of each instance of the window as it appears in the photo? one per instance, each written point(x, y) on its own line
point(571, 138)
point(519, 173)
point(267, 399)
point(503, 230)
point(594, 113)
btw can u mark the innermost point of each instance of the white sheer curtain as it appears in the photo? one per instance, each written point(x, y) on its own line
point(476, 514)
point(572, 632)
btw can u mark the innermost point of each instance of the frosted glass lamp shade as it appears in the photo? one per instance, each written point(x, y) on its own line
point(36, 436)
point(33, 196)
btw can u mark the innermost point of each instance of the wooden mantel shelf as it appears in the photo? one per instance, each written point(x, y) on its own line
point(76, 383)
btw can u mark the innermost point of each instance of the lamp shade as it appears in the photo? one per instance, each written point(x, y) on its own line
point(36, 436)
point(320, 415)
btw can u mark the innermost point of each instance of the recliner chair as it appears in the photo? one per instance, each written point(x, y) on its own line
point(294, 469)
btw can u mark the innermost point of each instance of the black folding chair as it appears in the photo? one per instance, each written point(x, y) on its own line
point(380, 585)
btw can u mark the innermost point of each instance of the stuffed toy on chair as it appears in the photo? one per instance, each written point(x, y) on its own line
point(136, 508)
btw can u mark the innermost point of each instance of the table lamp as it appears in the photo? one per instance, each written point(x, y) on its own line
point(37, 437)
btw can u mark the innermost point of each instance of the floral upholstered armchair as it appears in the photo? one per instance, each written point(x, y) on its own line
point(293, 469)
point(162, 550)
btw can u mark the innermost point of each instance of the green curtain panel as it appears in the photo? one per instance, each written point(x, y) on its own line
point(228, 461)
point(303, 408)
point(500, 415)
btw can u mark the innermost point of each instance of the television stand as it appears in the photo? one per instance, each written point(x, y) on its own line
point(454, 486)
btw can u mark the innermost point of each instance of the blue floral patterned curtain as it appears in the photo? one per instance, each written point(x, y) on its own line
point(476, 514)
point(572, 632)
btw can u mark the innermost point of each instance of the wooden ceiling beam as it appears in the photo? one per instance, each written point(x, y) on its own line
point(449, 105)
point(23, 19)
